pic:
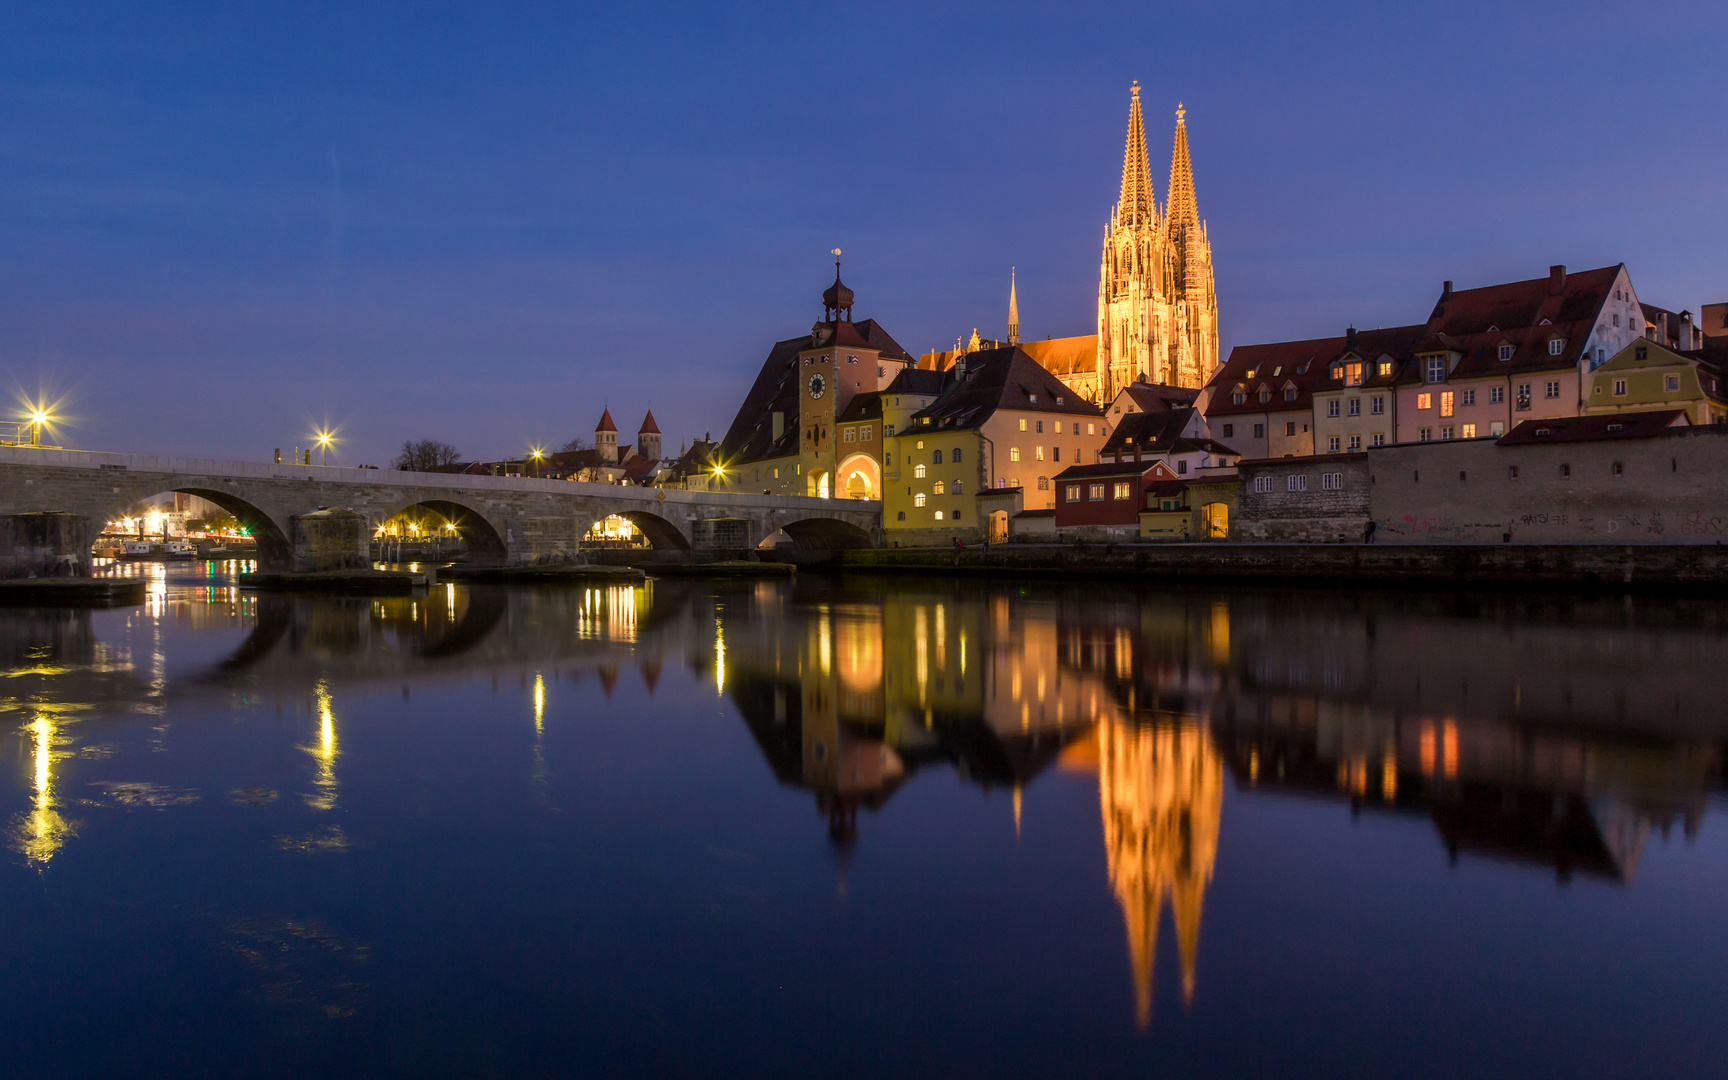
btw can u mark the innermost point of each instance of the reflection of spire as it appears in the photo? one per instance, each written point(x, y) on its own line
point(325, 752)
point(608, 679)
point(1161, 792)
point(1016, 812)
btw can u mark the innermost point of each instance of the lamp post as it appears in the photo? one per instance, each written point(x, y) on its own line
point(534, 455)
point(325, 438)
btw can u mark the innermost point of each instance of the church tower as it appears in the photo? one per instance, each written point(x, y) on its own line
point(648, 438)
point(1157, 312)
point(1013, 311)
point(606, 438)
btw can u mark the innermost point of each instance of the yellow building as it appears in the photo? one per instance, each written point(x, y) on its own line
point(995, 420)
point(1648, 375)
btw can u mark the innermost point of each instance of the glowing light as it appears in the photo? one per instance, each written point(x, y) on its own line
point(43, 831)
point(325, 752)
point(719, 658)
point(539, 703)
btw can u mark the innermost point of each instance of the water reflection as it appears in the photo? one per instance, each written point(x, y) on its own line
point(1528, 732)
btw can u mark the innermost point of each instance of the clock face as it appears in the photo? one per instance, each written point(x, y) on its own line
point(817, 385)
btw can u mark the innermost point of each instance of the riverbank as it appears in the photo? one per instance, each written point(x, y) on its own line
point(355, 582)
point(72, 592)
point(1607, 566)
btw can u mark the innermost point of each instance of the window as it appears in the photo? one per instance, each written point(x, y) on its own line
point(1013, 453)
point(1038, 453)
point(954, 489)
point(1332, 481)
point(1446, 432)
point(1671, 383)
point(1040, 427)
point(1505, 352)
point(901, 516)
point(920, 444)
point(1436, 369)
point(1425, 435)
point(1565, 472)
point(1353, 375)
point(1295, 483)
point(1556, 346)
point(955, 458)
point(1523, 395)
point(1262, 484)
point(918, 499)
point(1619, 387)
point(1056, 454)
point(887, 459)
point(1332, 445)
point(1022, 423)
point(1377, 406)
point(1469, 431)
point(1617, 470)
point(1496, 395)
point(1640, 353)
point(1238, 397)
point(1424, 401)
point(1043, 483)
point(938, 515)
point(1497, 428)
point(851, 434)
point(1229, 430)
point(1385, 368)
point(887, 431)
point(1337, 371)
point(1466, 397)
point(1447, 402)
point(1512, 472)
point(1332, 407)
point(1553, 388)
point(1090, 431)
point(776, 472)
point(1355, 443)
point(1181, 468)
point(1616, 320)
point(1033, 398)
point(1122, 490)
point(1259, 431)
point(1071, 493)
point(1290, 427)
point(1095, 492)
point(1355, 408)
point(1379, 438)
point(938, 488)
point(955, 515)
point(1265, 394)
point(918, 472)
point(867, 432)
point(1290, 394)
point(936, 457)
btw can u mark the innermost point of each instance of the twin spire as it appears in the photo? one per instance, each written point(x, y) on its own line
point(1136, 204)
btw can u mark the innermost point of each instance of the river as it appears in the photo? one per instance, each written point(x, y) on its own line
point(862, 827)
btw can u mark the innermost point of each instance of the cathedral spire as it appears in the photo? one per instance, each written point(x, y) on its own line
point(1181, 212)
point(1013, 311)
point(1135, 206)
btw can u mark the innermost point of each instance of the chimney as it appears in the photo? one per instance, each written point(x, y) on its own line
point(1556, 280)
point(1350, 335)
point(1136, 453)
point(1445, 291)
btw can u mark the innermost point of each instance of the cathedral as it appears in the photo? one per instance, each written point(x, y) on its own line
point(1157, 308)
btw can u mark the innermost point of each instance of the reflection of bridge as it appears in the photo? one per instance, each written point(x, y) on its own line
point(500, 518)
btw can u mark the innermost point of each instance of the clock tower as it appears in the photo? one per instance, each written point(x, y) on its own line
point(839, 364)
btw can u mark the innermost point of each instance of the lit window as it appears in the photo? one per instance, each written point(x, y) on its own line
point(918, 499)
point(1095, 492)
point(1337, 371)
point(920, 444)
point(1013, 453)
point(1071, 493)
point(937, 488)
point(1022, 424)
point(1123, 490)
point(1446, 402)
point(1469, 431)
point(1043, 483)
point(1424, 401)
point(1353, 375)
point(1037, 453)
point(1090, 431)
point(938, 515)
point(1385, 368)
point(919, 472)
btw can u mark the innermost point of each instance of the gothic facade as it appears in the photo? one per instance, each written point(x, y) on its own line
point(1157, 307)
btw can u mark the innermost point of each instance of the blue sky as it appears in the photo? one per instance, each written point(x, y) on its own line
point(223, 224)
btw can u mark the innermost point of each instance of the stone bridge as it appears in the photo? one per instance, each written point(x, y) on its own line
point(54, 503)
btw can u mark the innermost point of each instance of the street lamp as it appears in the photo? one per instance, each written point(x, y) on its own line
point(535, 454)
point(325, 438)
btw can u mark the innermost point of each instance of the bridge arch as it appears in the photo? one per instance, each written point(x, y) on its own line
point(827, 533)
point(482, 538)
point(275, 550)
point(661, 534)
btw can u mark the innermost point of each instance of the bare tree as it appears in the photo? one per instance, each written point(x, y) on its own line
point(426, 454)
point(578, 443)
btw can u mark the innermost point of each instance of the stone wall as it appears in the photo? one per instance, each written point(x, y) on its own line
point(1303, 506)
point(1670, 489)
point(33, 544)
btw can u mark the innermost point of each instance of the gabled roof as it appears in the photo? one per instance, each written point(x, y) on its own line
point(1063, 357)
point(751, 436)
point(1302, 364)
point(1156, 397)
point(1639, 425)
point(1151, 432)
point(922, 382)
point(997, 379)
point(1126, 467)
point(606, 423)
point(649, 427)
point(862, 407)
point(877, 338)
point(1516, 304)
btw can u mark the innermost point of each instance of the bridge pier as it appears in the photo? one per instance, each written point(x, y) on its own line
point(529, 538)
point(35, 543)
point(330, 539)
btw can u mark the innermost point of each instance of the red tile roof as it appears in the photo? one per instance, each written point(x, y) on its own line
point(649, 427)
point(1299, 365)
point(1641, 425)
point(606, 423)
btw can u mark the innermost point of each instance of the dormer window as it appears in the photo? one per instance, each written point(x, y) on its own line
point(1337, 371)
point(1060, 400)
point(1556, 346)
point(1303, 370)
point(1238, 397)
point(1289, 393)
point(1265, 394)
point(1385, 368)
point(1616, 427)
point(1352, 374)
point(1033, 398)
point(1437, 369)
point(1277, 371)
point(1250, 374)
point(1505, 352)
point(1544, 431)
